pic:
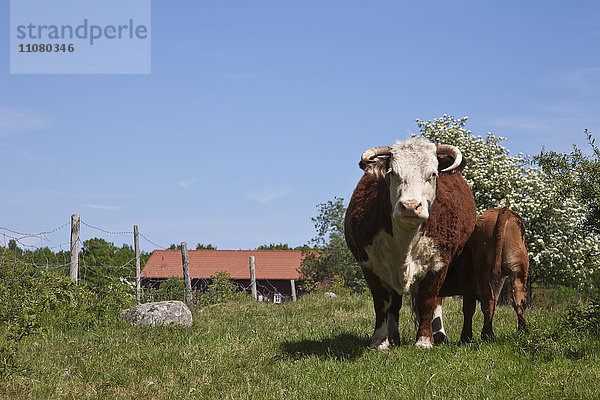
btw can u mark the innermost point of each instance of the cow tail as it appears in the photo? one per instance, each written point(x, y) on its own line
point(500, 228)
point(414, 311)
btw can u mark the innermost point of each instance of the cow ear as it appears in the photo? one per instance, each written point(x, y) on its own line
point(444, 161)
point(377, 162)
point(379, 166)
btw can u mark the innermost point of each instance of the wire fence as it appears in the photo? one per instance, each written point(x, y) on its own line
point(102, 264)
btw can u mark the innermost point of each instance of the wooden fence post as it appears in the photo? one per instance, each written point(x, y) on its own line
point(253, 278)
point(186, 273)
point(138, 285)
point(74, 272)
point(293, 285)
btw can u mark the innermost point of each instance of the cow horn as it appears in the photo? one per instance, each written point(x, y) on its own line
point(453, 151)
point(369, 155)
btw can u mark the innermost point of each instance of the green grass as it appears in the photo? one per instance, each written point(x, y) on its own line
point(316, 348)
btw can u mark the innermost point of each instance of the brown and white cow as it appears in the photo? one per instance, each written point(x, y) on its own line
point(495, 250)
point(409, 216)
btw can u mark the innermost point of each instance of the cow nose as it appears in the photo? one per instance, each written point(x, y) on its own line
point(411, 207)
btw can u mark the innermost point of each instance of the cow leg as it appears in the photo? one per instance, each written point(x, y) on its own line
point(425, 334)
point(393, 316)
point(381, 303)
point(437, 324)
point(469, 305)
point(519, 297)
point(488, 307)
point(425, 304)
point(380, 335)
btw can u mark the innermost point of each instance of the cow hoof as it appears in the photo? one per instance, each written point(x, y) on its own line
point(439, 338)
point(466, 339)
point(487, 336)
point(522, 327)
point(424, 343)
point(382, 345)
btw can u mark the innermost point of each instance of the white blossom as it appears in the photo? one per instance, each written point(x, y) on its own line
point(560, 250)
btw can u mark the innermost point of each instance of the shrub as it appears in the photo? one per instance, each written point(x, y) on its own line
point(171, 289)
point(221, 290)
point(330, 255)
point(336, 285)
point(566, 335)
point(31, 303)
point(584, 319)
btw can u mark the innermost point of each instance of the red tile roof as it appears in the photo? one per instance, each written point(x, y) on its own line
point(269, 264)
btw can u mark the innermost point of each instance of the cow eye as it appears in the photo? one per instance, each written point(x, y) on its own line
point(432, 177)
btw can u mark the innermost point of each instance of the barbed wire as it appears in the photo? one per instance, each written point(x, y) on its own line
point(151, 242)
point(233, 275)
point(48, 232)
point(22, 236)
point(106, 231)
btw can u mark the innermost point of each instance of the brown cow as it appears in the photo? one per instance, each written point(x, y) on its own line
point(495, 250)
point(409, 217)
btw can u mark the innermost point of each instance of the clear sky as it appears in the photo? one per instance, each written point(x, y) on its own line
point(256, 111)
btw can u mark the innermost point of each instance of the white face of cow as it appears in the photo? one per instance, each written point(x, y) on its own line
point(412, 178)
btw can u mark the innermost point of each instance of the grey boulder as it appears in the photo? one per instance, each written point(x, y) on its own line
point(158, 313)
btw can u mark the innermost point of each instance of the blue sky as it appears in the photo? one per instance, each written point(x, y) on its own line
point(255, 112)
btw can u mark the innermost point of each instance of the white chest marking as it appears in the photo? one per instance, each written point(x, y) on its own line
point(403, 259)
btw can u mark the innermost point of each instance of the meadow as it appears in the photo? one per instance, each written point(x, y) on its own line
point(316, 348)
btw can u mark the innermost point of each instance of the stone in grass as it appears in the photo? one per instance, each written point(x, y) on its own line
point(158, 313)
point(330, 294)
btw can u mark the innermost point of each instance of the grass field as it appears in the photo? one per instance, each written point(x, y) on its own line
point(316, 348)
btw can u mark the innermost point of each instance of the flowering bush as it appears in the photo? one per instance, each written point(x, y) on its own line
point(560, 249)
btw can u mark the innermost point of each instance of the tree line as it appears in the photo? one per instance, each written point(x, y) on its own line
point(101, 262)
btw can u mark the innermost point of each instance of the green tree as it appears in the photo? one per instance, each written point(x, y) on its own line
point(209, 246)
point(284, 246)
point(97, 251)
point(31, 261)
point(330, 255)
point(577, 174)
point(273, 246)
point(12, 246)
point(102, 263)
point(124, 255)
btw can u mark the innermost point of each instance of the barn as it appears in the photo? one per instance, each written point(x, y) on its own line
point(275, 269)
